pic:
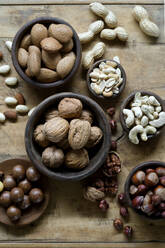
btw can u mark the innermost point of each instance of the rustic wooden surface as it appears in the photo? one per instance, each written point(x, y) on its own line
point(70, 221)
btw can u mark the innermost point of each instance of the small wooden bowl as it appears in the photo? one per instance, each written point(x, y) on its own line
point(121, 88)
point(97, 154)
point(34, 212)
point(142, 166)
point(126, 103)
point(26, 29)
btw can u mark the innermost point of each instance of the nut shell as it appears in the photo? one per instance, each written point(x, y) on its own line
point(53, 157)
point(86, 115)
point(51, 45)
point(61, 32)
point(25, 185)
point(38, 33)
point(56, 129)
point(77, 159)
point(79, 133)
point(50, 114)
point(70, 108)
point(95, 137)
point(40, 137)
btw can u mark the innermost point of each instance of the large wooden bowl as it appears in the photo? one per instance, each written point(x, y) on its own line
point(142, 166)
point(26, 29)
point(97, 155)
point(35, 211)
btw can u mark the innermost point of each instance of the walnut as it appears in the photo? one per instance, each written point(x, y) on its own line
point(79, 133)
point(87, 116)
point(53, 157)
point(112, 167)
point(56, 129)
point(50, 114)
point(93, 194)
point(70, 108)
point(64, 144)
point(95, 137)
point(76, 159)
point(40, 137)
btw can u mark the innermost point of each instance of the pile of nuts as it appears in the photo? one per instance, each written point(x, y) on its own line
point(106, 79)
point(147, 191)
point(20, 191)
point(143, 117)
point(46, 53)
point(67, 135)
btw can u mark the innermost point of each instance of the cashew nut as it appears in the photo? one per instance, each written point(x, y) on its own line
point(158, 122)
point(158, 109)
point(146, 110)
point(153, 101)
point(134, 132)
point(137, 111)
point(144, 121)
point(138, 121)
point(140, 99)
point(147, 130)
point(129, 117)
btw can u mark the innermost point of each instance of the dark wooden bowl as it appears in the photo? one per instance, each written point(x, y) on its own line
point(34, 212)
point(126, 103)
point(121, 88)
point(16, 43)
point(142, 166)
point(97, 155)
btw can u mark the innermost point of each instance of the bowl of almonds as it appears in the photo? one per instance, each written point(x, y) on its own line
point(68, 137)
point(106, 79)
point(46, 52)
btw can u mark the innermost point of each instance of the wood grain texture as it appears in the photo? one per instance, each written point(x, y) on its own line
point(70, 221)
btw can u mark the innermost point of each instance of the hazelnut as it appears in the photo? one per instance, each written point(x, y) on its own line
point(142, 189)
point(118, 224)
point(124, 212)
point(17, 194)
point(162, 180)
point(160, 171)
point(76, 159)
point(70, 108)
point(151, 179)
point(18, 172)
point(133, 190)
point(138, 177)
point(36, 195)
point(149, 170)
point(40, 137)
point(111, 111)
point(95, 137)
point(103, 205)
point(53, 157)
point(56, 129)
point(25, 185)
point(13, 213)
point(92, 194)
point(121, 198)
point(156, 200)
point(50, 114)
point(25, 203)
point(160, 191)
point(128, 231)
point(86, 115)
point(137, 202)
point(9, 182)
point(32, 174)
point(5, 198)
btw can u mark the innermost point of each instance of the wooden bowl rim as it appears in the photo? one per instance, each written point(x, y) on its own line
point(25, 163)
point(17, 39)
point(126, 102)
point(141, 166)
point(121, 88)
point(77, 175)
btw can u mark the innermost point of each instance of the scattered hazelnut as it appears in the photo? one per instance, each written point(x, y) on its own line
point(128, 231)
point(118, 224)
point(18, 172)
point(124, 212)
point(121, 198)
point(32, 174)
point(9, 182)
point(151, 179)
point(113, 145)
point(111, 111)
point(103, 205)
point(138, 177)
point(162, 180)
point(25, 185)
point(25, 203)
point(137, 202)
point(156, 200)
point(113, 125)
point(36, 195)
point(5, 198)
point(17, 194)
point(160, 171)
point(13, 213)
point(133, 190)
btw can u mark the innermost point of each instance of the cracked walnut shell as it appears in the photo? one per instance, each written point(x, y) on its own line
point(40, 137)
point(56, 129)
point(70, 108)
point(95, 137)
point(79, 133)
point(77, 159)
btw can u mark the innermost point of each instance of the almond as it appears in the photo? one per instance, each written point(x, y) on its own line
point(34, 63)
point(50, 60)
point(47, 76)
point(22, 57)
point(38, 33)
point(10, 115)
point(20, 98)
point(67, 47)
point(27, 72)
point(51, 45)
point(60, 32)
point(26, 41)
point(66, 64)
point(33, 48)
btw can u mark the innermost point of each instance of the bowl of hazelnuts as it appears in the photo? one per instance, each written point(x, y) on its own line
point(46, 52)
point(68, 137)
point(145, 189)
point(24, 195)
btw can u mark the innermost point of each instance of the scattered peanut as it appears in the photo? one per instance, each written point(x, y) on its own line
point(94, 28)
point(8, 43)
point(4, 69)
point(111, 34)
point(11, 81)
point(10, 101)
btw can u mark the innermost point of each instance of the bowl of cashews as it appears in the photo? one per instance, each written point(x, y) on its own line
point(142, 116)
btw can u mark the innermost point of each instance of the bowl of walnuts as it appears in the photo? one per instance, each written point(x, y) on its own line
point(68, 137)
point(46, 52)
